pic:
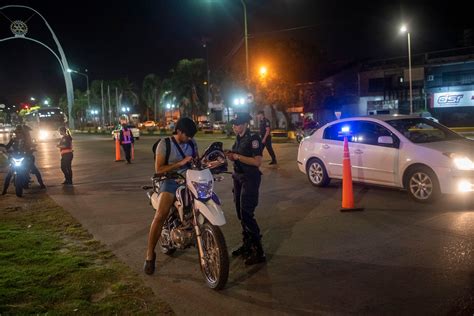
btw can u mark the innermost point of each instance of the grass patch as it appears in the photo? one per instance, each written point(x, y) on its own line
point(50, 264)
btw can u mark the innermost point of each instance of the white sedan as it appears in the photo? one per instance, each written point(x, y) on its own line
point(419, 155)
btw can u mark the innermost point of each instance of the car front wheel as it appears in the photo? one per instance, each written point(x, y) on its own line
point(317, 174)
point(422, 185)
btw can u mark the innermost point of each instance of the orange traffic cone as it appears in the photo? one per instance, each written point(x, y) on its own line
point(347, 193)
point(117, 148)
point(133, 151)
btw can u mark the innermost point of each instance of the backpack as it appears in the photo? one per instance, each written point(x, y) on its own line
point(168, 148)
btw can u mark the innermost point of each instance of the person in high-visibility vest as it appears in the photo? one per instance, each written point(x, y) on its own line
point(126, 140)
point(65, 149)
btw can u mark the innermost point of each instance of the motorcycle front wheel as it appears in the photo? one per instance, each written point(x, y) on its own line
point(19, 183)
point(215, 263)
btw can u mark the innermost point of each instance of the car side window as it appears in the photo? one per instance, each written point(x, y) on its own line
point(332, 132)
point(369, 132)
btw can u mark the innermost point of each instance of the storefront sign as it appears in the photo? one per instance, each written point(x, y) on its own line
point(453, 99)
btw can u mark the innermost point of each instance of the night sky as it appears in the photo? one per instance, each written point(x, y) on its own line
point(114, 39)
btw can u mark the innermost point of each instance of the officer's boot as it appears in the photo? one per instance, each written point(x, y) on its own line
point(243, 250)
point(257, 255)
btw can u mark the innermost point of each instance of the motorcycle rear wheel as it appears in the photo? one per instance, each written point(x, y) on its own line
point(216, 268)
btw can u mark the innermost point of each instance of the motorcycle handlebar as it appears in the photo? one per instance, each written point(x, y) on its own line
point(167, 175)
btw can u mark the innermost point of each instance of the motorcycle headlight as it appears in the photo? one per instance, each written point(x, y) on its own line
point(461, 162)
point(17, 162)
point(203, 189)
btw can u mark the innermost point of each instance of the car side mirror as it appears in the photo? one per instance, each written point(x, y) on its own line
point(388, 140)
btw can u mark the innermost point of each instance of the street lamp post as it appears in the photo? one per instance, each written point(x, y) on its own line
point(87, 82)
point(208, 83)
point(404, 29)
point(246, 43)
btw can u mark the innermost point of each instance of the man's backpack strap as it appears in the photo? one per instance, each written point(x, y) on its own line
point(168, 150)
point(191, 143)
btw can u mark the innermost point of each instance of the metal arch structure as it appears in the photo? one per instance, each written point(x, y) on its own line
point(61, 58)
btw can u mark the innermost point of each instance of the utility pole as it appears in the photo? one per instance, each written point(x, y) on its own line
point(154, 112)
point(110, 108)
point(117, 102)
point(103, 106)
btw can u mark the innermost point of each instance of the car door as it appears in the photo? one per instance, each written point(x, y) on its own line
point(372, 161)
point(332, 148)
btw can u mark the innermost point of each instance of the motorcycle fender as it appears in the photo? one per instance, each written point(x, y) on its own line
point(211, 211)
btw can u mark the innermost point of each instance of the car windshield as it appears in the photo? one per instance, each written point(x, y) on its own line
point(421, 130)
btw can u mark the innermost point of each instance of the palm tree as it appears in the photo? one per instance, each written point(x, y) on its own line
point(127, 91)
point(151, 89)
point(187, 82)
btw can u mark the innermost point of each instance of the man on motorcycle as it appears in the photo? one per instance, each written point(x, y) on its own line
point(22, 142)
point(182, 150)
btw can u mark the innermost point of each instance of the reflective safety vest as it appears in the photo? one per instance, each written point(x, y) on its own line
point(65, 150)
point(68, 149)
point(127, 136)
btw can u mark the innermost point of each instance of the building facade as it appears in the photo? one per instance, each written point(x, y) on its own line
point(442, 84)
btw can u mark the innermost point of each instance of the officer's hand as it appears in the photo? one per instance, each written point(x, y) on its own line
point(186, 160)
point(230, 155)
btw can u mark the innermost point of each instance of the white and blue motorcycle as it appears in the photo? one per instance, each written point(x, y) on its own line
point(196, 215)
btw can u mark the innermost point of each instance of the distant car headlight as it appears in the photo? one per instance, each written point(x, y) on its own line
point(43, 135)
point(461, 162)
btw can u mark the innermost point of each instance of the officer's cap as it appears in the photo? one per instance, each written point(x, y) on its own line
point(241, 118)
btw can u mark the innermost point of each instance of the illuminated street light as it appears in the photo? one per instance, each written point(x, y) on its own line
point(46, 102)
point(32, 99)
point(404, 29)
point(263, 71)
point(87, 82)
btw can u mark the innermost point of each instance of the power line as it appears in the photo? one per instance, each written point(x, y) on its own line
point(283, 30)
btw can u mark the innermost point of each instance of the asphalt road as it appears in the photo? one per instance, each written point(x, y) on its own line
point(396, 257)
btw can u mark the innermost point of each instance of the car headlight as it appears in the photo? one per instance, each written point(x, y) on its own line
point(17, 161)
point(204, 189)
point(461, 162)
point(43, 134)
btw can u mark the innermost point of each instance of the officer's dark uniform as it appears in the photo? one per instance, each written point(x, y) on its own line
point(126, 139)
point(264, 123)
point(65, 149)
point(247, 180)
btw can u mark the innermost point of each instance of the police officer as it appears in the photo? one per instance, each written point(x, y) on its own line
point(65, 149)
point(126, 140)
point(247, 157)
point(266, 135)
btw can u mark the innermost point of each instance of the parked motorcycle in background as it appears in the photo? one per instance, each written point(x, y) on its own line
point(196, 215)
point(302, 133)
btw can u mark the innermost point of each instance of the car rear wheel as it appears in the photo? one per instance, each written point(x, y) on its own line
point(422, 185)
point(317, 174)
